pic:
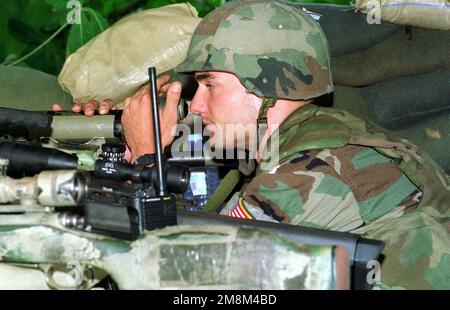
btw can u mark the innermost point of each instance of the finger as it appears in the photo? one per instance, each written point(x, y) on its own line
point(77, 107)
point(126, 102)
point(173, 96)
point(142, 97)
point(135, 99)
point(164, 88)
point(162, 79)
point(90, 107)
point(144, 88)
point(125, 112)
point(57, 107)
point(127, 156)
point(105, 106)
point(126, 107)
point(162, 84)
point(169, 114)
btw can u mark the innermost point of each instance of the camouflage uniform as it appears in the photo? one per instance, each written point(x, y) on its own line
point(351, 188)
point(333, 170)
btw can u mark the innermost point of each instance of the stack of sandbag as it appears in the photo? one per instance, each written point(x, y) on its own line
point(346, 30)
point(29, 89)
point(410, 51)
point(431, 14)
point(403, 79)
point(113, 65)
point(431, 133)
point(397, 76)
point(400, 102)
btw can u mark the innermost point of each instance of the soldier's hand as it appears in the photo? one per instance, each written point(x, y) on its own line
point(137, 118)
point(90, 107)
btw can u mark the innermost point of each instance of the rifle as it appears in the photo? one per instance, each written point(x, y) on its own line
point(202, 250)
point(111, 218)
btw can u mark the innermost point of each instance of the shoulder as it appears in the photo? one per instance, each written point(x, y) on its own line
point(352, 183)
point(302, 190)
point(327, 128)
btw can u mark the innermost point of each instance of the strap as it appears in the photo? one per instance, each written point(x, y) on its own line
point(266, 104)
point(403, 146)
point(222, 191)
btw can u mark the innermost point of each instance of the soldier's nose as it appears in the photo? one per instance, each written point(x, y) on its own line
point(197, 105)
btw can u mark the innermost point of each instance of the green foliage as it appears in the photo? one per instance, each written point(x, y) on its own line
point(23, 32)
point(24, 25)
point(60, 8)
point(91, 24)
point(35, 33)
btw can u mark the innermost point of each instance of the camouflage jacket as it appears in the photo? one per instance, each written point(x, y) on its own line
point(336, 171)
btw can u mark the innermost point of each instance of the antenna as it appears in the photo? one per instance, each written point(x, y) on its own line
point(156, 130)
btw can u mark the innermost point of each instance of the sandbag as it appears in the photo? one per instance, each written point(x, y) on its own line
point(348, 31)
point(29, 89)
point(113, 65)
point(351, 100)
point(432, 14)
point(404, 53)
point(401, 102)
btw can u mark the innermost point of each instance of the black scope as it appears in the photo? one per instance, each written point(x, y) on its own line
point(113, 152)
point(177, 176)
point(28, 160)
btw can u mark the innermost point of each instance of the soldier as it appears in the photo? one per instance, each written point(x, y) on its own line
point(265, 63)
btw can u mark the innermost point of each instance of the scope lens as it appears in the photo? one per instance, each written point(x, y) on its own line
point(177, 178)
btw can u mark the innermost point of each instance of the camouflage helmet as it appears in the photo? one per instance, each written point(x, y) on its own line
point(275, 49)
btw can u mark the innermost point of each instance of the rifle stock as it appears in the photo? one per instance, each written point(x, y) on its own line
point(183, 256)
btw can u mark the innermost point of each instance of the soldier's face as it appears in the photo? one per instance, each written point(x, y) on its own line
point(228, 111)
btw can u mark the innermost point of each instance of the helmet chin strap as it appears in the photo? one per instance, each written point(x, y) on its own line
point(247, 167)
point(266, 104)
point(262, 126)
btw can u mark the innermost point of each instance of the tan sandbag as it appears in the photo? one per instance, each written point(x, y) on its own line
point(432, 14)
point(114, 64)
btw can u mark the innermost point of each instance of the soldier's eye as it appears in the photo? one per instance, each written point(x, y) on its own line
point(209, 86)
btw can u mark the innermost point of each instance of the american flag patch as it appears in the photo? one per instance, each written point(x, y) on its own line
point(240, 211)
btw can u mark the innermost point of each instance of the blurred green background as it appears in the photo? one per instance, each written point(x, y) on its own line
point(35, 33)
